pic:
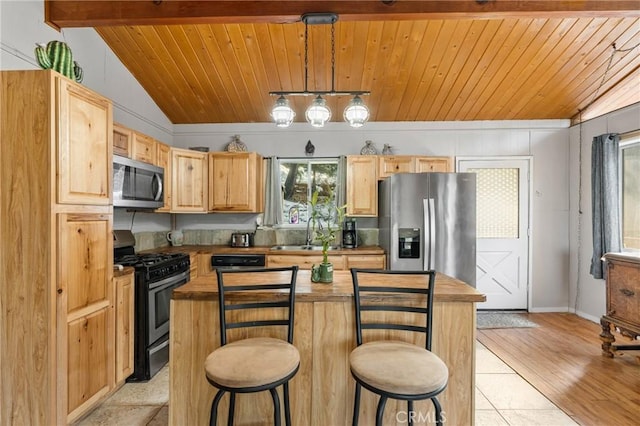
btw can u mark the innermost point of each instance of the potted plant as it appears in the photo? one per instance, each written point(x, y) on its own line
point(326, 222)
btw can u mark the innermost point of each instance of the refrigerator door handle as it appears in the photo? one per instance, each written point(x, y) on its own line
point(430, 235)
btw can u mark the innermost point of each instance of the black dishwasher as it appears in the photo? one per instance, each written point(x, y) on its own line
point(238, 261)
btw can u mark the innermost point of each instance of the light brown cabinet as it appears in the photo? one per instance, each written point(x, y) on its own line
point(236, 182)
point(364, 172)
point(124, 285)
point(143, 148)
point(122, 140)
point(85, 290)
point(433, 164)
point(623, 302)
point(57, 313)
point(189, 181)
point(163, 159)
point(362, 185)
point(391, 164)
point(339, 261)
point(84, 160)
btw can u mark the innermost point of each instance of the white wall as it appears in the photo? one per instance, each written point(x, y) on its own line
point(587, 295)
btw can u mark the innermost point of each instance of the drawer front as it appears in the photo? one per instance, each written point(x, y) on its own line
point(623, 287)
point(303, 262)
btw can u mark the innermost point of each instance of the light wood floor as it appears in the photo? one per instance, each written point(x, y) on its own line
point(562, 359)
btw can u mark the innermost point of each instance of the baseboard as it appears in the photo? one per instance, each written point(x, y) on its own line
point(544, 310)
point(585, 316)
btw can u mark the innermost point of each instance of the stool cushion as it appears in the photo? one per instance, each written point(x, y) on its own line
point(398, 368)
point(252, 362)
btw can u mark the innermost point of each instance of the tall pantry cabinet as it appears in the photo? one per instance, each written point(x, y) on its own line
point(56, 249)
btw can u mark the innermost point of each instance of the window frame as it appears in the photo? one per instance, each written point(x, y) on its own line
point(308, 161)
point(626, 141)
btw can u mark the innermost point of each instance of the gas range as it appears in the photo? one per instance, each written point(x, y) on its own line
point(155, 266)
point(156, 276)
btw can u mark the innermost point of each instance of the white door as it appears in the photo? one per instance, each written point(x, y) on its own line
point(502, 262)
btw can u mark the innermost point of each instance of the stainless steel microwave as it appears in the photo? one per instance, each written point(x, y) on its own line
point(137, 184)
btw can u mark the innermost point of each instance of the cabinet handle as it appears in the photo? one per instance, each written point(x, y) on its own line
point(627, 292)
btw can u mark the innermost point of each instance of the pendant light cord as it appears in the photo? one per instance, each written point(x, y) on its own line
point(333, 56)
point(306, 55)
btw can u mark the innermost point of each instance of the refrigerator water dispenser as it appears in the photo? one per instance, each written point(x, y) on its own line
point(409, 243)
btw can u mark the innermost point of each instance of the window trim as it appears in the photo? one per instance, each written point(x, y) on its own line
point(307, 160)
point(626, 140)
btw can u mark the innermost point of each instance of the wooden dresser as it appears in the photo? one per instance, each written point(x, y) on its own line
point(623, 302)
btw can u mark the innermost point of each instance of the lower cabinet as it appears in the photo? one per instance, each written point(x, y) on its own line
point(124, 325)
point(339, 261)
point(86, 329)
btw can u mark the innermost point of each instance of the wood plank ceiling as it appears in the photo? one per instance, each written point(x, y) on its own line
point(458, 68)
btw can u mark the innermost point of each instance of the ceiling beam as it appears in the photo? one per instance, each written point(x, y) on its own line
point(83, 13)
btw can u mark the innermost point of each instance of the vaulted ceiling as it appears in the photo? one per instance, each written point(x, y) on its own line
point(216, 62)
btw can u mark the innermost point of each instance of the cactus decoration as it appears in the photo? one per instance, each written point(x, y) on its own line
point(56, 55)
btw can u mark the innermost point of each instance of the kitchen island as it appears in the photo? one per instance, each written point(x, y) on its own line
point(324, 333)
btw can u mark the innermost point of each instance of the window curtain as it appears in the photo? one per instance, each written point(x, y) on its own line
point(605, 195)
point(272, 202)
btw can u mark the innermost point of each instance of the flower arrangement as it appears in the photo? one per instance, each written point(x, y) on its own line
point(326, 221)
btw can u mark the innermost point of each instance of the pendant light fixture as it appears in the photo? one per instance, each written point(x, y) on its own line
point(356, 113)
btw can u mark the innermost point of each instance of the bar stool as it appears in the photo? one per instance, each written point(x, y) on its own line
point(391, 368)
point(254, 364)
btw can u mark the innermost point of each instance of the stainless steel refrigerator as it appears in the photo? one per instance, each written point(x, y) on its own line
point(428, 221)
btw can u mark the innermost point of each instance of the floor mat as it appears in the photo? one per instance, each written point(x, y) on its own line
point(492, 319)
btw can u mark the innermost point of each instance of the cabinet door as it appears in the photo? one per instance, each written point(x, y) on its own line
point(433, 164)
point(85, 311)
point(189, 179)
point(85, 135)
point(163, 159)
point(390, 164)
point(143, 148)
point(362, 185)
point(121, 140)
point(124, 326)
point(233, 181)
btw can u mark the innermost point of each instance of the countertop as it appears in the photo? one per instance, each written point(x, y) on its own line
point(224, 249)
point(447, 289)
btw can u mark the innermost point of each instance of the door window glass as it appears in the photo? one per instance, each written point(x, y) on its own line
point(497, 201)
point(630, 197)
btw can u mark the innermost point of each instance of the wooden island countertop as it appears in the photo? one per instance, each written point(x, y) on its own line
point(324, 333)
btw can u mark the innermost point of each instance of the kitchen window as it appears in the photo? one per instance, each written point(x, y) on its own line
point(630, 191)
point(299, 178)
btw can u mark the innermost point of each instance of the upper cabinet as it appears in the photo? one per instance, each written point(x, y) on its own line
point(391, 164)
point(163, 159)
point(236, 182)
point(364, 171)
point(362, 185)
point(189, 179)
point(433, 164)
point(122, 140)
point(84, 145)
point(143, 148)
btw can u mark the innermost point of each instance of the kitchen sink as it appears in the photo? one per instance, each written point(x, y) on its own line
point(302, 247)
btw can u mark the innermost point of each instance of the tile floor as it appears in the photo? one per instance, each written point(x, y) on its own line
point(502, 398)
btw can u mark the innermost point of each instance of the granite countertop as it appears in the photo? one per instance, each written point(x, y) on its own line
point(126, 270)
point(224, 249)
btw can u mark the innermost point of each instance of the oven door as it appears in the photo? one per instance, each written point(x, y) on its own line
point(159, 299)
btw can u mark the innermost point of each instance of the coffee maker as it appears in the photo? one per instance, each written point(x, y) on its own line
point(349, 234)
